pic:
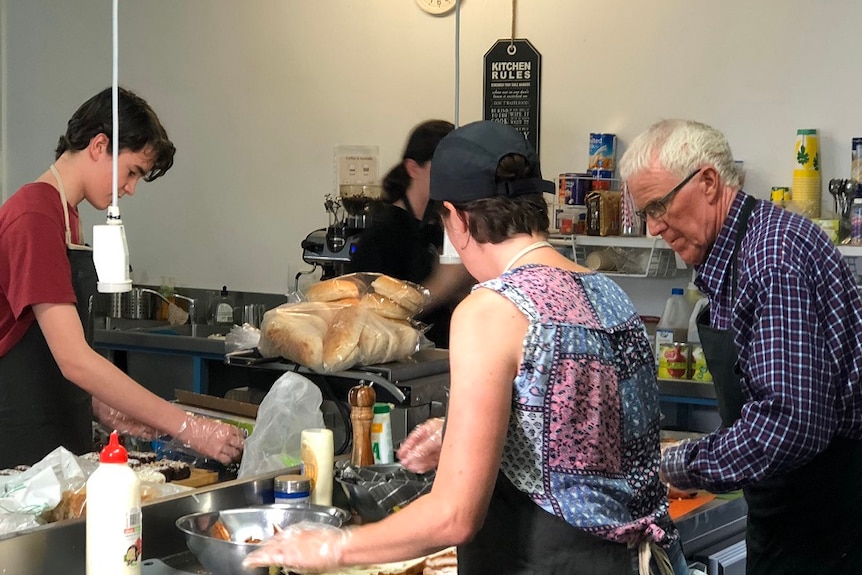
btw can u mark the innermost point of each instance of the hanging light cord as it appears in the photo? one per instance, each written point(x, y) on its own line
point(115, 133)
point(512, 49)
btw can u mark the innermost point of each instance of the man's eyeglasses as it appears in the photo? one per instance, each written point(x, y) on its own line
point(657, 208)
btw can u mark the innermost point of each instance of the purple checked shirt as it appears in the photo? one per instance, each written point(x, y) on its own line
point(797, 325)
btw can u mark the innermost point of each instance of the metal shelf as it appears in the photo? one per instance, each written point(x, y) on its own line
point(850, 251)
point(637, 256)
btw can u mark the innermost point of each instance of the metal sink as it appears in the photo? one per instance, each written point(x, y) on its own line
point(187, 330)
point(157, 336)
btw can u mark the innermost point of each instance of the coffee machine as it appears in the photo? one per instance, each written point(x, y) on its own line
point(332, 248)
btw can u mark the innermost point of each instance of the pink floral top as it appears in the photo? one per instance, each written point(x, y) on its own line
point(583, 439)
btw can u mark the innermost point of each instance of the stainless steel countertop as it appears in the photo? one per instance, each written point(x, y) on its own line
point(60, 547)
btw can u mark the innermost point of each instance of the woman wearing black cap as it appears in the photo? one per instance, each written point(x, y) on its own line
point(549, 460)
point(405, 237)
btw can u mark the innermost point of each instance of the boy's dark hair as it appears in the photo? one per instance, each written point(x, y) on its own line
point(494, 220)
point(139, 128)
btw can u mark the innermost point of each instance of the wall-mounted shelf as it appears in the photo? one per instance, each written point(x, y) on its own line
point(850, 251)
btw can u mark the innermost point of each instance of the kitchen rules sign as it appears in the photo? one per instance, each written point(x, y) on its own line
point(512, 81)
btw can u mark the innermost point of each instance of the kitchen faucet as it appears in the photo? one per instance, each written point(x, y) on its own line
point(190, 300)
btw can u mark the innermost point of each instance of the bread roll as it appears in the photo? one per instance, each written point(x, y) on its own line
point(378, 342)
point(383, 306)
point(341, 346)
point(333, 290)
point(403, 293)
point(297, 336)
point(406, 339)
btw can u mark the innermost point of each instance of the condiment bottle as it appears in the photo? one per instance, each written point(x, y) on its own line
point(113, 515)
point(381, 434)
point(361, 398)
point(316, 452)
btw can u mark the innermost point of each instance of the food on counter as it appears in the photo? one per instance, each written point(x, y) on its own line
point(384, 306)
point(219, 531)
point(335, 335)
point(444, 562)
point(401, 292)
point(142, 456)
point(334, 289)
point(169, 470)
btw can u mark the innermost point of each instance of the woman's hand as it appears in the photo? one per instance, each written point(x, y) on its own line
point(212, 438)
point(420, 451)
point(304, 546)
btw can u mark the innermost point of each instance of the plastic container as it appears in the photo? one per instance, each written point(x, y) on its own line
point(672, 328)
point(113, 527)
point(316, 452)
point(856, 222)
point(698, 370)
point(293, 489)
point(222, 309)
point(381, 434)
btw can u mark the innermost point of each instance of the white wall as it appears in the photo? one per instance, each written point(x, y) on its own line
point(256, 95)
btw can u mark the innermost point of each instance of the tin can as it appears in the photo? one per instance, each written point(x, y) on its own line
point(573, 188)
point(603, 151)
point(602, 179)
point(673, 360)
point(292, 489)
point(699, 370)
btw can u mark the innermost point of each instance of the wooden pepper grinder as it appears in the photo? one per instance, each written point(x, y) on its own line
point(361, 398)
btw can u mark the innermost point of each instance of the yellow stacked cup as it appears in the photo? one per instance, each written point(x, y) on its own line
point(806, 174)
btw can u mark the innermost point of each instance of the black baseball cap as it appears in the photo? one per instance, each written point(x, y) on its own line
point(464, 166)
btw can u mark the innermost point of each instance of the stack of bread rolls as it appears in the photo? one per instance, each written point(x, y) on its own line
point(357, 319)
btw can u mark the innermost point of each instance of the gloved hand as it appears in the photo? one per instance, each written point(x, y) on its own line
point(304, 546)
point(420, 451)
point(113, 419)
point(211, 437)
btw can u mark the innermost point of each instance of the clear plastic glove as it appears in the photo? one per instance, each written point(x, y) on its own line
point(113, 419)
point(420, 451)
point(305, 546)
point(212, 438)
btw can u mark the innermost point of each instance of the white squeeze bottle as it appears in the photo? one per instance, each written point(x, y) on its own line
point(113, 514)
point(316, 452)
point(673, 326)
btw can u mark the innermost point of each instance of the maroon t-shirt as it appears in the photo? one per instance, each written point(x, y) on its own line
point(34, 267)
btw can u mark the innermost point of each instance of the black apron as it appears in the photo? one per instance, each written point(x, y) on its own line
point(806, 521)
point(39, 408)
point(520, 538)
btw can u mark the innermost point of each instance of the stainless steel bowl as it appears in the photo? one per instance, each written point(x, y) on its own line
point(222, 557)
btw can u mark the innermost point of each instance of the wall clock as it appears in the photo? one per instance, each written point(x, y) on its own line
point(436, 6)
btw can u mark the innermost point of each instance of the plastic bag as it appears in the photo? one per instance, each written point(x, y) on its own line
point(25, 496)
point(356, 319)
point(292, 404)
point(241, 337)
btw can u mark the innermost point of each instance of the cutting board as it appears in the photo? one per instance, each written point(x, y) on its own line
point(199, 478)
point(679, 507)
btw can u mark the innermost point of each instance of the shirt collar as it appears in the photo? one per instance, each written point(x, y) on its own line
point(712, 272)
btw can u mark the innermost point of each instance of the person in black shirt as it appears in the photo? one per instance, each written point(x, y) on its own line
point(405, 237)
